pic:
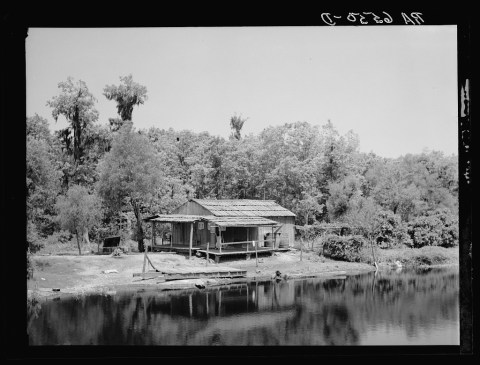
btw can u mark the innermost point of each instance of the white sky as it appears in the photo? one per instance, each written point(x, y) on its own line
point(395, 86)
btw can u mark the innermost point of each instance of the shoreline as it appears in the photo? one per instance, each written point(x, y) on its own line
point(73, 275)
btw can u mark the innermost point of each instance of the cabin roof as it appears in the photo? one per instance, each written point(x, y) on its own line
point(219, 221)
point(174, 218)
point(241, 221)
point(244, 208)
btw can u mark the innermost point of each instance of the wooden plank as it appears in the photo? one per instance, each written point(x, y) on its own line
point(224, 253)
point(203, 275)
point(206, 261)
point(191, 241)
point(149, 274)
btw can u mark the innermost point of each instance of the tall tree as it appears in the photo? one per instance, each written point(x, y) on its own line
point(78, 211)
point(43, 183)
point(127, 95)
point(130, 173)
point(236, 124)
point(76, 104)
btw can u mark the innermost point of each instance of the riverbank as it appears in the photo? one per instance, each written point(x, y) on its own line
point(56, 275)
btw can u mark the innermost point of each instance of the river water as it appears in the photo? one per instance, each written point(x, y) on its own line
point(389, 308)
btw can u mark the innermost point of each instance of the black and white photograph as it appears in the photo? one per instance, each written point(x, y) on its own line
point(257, 186)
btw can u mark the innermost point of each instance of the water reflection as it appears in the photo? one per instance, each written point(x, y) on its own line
point(384, 309)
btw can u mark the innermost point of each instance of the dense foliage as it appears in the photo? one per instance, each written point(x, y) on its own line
point(316, 172)
point(345, 248)
point(437, 228)
point(78, 211)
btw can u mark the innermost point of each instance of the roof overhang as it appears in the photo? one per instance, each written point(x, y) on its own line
point(216, 221)
point(173, 218)
point(240, 221)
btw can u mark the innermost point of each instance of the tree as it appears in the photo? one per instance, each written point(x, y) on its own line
point(76, 104)
point(236, 124)
point(78, 211)
point(37, 128)
point(43, 183)
point(127, 95)
point(363, 216)
point(130, 174)
point(344, 196)
point(434, 228)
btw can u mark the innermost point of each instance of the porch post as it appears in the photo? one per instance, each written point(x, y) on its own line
point(191, 239)
point(153, 233)
point(208, 246)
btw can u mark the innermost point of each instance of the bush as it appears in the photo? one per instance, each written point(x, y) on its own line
point(346, 248)
point(435, 228)
point(34, 241)
point(390, 230)
point(29, 265)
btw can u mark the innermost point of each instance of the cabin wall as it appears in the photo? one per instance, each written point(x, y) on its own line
point(288, 229)
point(191, 208)
point(181, 234)
point(241, 234)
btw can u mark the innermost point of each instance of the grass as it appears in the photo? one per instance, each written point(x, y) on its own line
point(413, 257)
point(409, 257)
point(54, 246)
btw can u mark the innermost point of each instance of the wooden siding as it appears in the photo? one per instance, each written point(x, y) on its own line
point(288, 229)
point(181, 234)
point(191, 208)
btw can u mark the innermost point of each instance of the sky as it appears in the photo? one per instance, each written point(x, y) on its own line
point(395, 86)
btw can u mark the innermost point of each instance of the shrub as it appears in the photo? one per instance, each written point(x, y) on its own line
point(390, 230)
point(60, 237)
point(346, 248)
point(34, 241)
point(29, 265)
point(435, 228)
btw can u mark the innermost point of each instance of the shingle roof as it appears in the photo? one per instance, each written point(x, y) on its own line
point(244, 208)
point(240, 221)
point(219, 221)
point(174, 218)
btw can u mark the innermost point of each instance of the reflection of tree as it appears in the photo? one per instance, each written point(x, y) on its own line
point(303, 312)
point(337, 326)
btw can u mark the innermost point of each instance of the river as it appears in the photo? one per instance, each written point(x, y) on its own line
point(386, 308)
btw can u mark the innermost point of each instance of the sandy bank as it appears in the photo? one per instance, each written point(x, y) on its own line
point(86, 274)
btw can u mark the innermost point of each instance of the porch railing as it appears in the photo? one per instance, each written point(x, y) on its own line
point(253, 243)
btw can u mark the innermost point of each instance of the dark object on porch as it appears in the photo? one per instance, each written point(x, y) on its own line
point(110, 244)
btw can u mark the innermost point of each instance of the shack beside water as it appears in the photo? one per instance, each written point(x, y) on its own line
point(226, 227)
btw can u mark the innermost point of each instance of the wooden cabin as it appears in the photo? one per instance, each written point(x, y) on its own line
point(230, 224)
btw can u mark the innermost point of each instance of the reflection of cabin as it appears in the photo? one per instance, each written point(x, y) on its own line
point(229, 226)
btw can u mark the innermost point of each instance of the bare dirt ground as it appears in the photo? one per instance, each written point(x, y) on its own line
point(75, 274)
point(56, 275)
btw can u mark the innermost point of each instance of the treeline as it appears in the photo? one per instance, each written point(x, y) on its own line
point(90, 176)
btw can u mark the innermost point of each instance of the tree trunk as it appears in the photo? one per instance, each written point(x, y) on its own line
point(78, 243)
point(86, 239)
point(140, 235)
point(373, 253)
